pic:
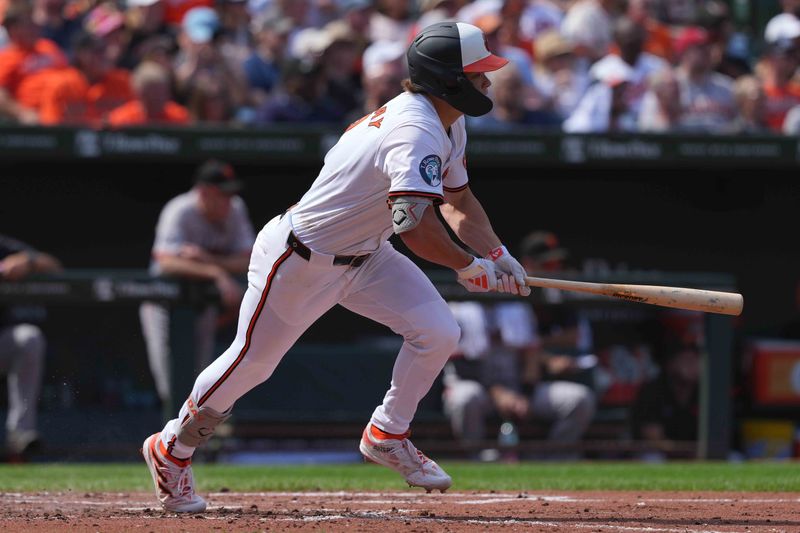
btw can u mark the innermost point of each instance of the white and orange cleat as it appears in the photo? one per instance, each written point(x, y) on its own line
point(172, 478)
point(397, 452)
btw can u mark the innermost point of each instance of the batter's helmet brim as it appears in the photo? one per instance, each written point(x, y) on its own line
point(487, 64)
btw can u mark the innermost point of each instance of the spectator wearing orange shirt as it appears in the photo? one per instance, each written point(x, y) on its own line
point(779, 65)
point(25, 65)
point(658, 40)
point(87, 91)
point(153, 103)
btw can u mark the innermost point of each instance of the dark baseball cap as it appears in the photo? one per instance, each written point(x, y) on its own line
point(220, 174)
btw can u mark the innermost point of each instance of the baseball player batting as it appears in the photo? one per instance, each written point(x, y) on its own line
point(387, 173)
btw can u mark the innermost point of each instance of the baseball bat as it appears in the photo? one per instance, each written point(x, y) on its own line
point(727, 303)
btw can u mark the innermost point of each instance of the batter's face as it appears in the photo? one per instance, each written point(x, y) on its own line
point(479, 81)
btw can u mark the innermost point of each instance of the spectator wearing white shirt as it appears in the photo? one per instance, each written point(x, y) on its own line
point(605, 106)
point(629, 38)
point(791, 124)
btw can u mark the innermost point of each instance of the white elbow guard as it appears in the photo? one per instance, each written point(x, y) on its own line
point(407, 212)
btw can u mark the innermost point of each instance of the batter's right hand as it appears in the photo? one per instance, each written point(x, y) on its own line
point(478, 276)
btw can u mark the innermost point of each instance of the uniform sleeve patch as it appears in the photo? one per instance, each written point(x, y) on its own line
point(430, 168)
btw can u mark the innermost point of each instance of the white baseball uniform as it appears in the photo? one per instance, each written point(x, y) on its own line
point(399, 150)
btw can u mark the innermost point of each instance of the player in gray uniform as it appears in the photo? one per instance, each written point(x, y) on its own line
point(22, 346)
point(384, 176)
point(205, 234)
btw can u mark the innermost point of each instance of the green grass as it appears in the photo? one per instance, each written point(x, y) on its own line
point(767, 476)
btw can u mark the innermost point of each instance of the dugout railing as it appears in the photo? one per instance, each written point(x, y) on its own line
point(324, 390)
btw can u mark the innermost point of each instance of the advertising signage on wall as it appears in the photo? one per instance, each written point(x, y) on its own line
point(308, 145)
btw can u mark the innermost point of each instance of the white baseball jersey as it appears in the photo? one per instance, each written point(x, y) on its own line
point(400, 149)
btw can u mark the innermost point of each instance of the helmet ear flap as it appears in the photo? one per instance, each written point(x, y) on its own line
point(453, 87)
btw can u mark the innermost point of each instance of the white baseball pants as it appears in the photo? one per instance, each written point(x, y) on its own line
point(287, 293)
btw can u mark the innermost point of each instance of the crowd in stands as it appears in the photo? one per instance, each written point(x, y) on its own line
point(576, 65)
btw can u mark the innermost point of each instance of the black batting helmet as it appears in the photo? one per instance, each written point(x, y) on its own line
point(439, 57)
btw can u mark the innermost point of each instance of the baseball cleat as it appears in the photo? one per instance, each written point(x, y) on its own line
point(172, 478)
point(397, 453)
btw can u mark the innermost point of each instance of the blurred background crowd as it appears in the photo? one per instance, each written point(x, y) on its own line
point(576, 65)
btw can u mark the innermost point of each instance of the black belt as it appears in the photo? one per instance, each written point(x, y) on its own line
point(303, 251)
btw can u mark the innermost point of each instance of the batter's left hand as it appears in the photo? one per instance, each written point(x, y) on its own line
point(505, 262)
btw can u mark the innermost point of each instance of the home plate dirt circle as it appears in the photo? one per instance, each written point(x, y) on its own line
point(547, 512)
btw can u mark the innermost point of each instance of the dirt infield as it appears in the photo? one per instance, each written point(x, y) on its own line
point(661, 512)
